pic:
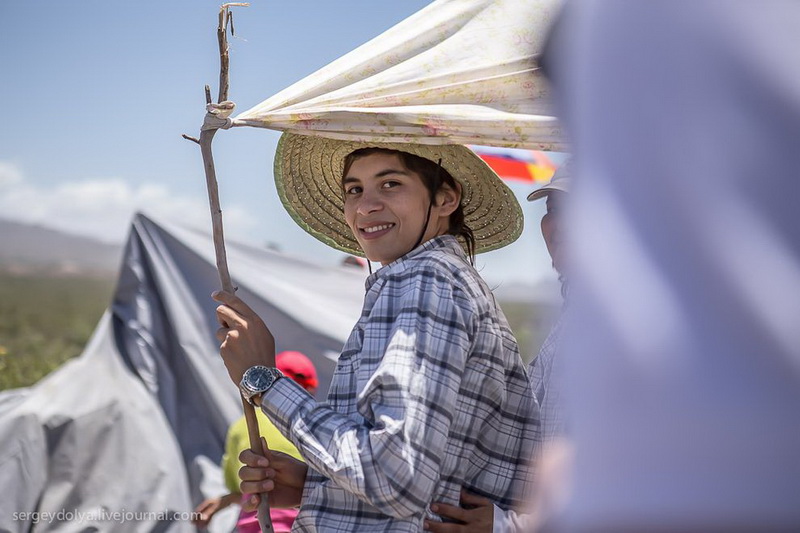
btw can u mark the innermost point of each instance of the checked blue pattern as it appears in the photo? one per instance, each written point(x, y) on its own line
point(430, 394)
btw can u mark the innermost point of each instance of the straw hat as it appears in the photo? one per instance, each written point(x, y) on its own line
point(308, 175)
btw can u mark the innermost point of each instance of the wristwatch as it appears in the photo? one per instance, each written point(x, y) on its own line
point(257, 380)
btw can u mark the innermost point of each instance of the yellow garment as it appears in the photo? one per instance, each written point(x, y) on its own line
point(237, 440)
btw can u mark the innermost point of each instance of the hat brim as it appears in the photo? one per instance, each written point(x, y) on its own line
point(544, 191)
point(539, 193)
point(308, 174)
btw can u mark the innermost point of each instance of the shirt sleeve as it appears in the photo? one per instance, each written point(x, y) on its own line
point(392, 459)
point(510, 521)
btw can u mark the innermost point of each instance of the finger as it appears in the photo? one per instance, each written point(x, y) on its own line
point(253, 459)
point(247, 473)
point(232, 301)
point(222, 333)
point(468, 498)
point(256, 487)
point(449, 511)
point(251, 503)
point(203, 506)
point(229, 317)
point(442, 527)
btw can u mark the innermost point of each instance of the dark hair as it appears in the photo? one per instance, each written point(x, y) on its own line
point(434, 177)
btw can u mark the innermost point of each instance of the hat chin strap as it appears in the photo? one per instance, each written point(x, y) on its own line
point(424, 227)
point(430, 205)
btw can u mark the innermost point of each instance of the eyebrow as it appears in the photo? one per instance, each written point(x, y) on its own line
point(382, 173)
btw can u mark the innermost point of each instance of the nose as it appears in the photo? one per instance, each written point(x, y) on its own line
point(370, 202)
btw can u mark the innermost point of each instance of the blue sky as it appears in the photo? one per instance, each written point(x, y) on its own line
point(97, 94)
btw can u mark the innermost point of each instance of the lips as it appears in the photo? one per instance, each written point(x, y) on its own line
point(379, 227)
point(373, 231)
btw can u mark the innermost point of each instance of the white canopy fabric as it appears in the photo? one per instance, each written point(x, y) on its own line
point(128, 436)
point(456, 72)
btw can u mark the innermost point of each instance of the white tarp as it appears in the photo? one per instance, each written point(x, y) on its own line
point(456, 72)
point(136, 425)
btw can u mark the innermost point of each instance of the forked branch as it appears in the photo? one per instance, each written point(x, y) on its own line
point(216, 118)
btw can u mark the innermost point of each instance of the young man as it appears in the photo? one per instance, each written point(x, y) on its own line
point(481, 515)
point(430, 393)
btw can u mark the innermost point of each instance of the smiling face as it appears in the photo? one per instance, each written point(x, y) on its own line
point(385, 205)
point(551, 229)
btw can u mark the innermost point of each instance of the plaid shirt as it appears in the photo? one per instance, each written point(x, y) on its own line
point(551, 421)
point(546, 385)
point(429, 395)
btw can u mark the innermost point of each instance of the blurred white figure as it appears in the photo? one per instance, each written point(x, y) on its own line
point(685, 118)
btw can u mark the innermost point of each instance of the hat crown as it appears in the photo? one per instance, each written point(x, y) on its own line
point(560, 181)
point(562, 177)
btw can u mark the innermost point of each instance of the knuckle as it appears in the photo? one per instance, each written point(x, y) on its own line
point(247, 474)
point(249, 487)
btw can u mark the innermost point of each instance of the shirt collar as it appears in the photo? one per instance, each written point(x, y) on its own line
point(448, 243)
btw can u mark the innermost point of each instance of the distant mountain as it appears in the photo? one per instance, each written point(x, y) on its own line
point(26, 248)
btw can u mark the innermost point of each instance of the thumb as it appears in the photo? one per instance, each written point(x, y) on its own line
point(265, 449)
point(250, 504)
point(232, 301)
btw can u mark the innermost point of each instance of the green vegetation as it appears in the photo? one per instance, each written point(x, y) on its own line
point(45, 321)
point(530, 324)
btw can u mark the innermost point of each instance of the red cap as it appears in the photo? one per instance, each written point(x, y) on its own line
point(298, 367)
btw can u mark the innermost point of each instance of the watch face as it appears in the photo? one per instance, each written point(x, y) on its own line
point(259, 379)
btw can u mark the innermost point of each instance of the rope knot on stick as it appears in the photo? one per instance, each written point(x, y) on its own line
point(218, 116)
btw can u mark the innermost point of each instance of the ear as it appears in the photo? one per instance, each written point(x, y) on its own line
point(448, 199)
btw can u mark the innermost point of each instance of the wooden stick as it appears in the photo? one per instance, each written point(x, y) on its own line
point(206, 137)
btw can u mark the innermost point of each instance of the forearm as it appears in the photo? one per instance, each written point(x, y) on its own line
point(377, 465)
point(230, 499)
